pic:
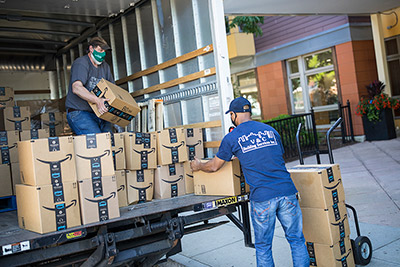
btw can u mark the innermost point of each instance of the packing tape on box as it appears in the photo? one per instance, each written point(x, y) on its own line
point(95, 166)
point(340, 224)
point(18, 123)
point(34, 134)
point(172, 136)
point(143, 138)
point(60, 211)
point(52, 128)
point(144, 157)
point(102, 204)
point(174, 185)
point(3, 138)
point(116, 152)
point(174, 151)
point(192, 150)
point(343, 259)
point(140, 176)
point(5, 155)
point(16, 112)
point(190, 132)
point(142, 192)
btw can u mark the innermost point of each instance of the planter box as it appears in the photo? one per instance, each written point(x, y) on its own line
point(380, 130)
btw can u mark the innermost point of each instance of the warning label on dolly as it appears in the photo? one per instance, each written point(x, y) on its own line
point(17, 247)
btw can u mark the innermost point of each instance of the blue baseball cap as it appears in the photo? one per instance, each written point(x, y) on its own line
point(239, 105)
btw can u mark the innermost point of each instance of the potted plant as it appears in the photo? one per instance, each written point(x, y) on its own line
point(376, 112)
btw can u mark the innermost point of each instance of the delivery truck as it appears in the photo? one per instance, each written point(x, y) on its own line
point(172, 52)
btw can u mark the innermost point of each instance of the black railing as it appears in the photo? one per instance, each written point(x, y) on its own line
point(347, 123)
point(287, 129)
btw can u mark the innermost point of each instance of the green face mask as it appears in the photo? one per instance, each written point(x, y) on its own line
point(99, 57)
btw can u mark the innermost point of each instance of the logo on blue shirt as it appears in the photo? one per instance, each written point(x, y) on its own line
point(258, 140)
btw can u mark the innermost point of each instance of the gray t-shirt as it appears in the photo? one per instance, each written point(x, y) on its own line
point(83, 70)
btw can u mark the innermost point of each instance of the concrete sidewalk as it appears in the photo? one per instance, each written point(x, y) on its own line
point(371, 178)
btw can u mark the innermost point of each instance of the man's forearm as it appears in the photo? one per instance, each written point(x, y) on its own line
point(83, 93)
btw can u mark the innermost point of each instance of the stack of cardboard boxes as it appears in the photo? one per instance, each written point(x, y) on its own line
point(53, 121)
point(169, 179)
point(141, 161)
point(325, 221)
point(48, 198)
point(118, 153)
point(6, 97)
point(96, 177)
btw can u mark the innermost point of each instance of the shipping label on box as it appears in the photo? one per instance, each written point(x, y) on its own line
point(51, 117)
point(93, 156)
point(6, 96)
point(5, 180)
point(194, 143)
point(54, 128)
point(16, 176)
point(38, 211)
point(98, 204)
point(140, 151)
point(169, 181)
point(122, 108)
point(9, 154)
point(337, 255)
point(118, 150)
point(319, 186)
point(9, 138)
point(15, 118)
point(140, 185)
point(227, 181)
point(121, 188)
point(189, 181)
point(34, 134)
point(326, 226)
point(47, 161)
point(171, 146)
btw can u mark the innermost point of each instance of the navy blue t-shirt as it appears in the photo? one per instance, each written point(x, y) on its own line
point(83, 70)
point(259, 149)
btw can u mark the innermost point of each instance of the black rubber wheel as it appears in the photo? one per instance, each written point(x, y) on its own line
point(362, 250)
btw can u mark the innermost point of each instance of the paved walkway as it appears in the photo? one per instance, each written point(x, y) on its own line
point(371, 178)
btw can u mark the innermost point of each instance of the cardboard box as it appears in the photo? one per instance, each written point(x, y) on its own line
point(51, 117)
point(15, 118)
point(34, 134)
point(140, 151)
point(39, 208)
point(6, 96)
point(121, 188)
point(326, 226)
point(9, 154)
point(98, 198)
point(47, 161)
point(9, 138)
point(319, 186)
point(118, 150)
point(121, 107)
point(54, 128)
point(194, 143)
point(140, 185)
point(5, 181)
point(227, 181)
point(189, 181)
point(15, 175)
point(93, 156)
point(171, 146)
point(169, 181)
point(337, 255)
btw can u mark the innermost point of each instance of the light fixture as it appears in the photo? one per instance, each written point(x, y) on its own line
point(67, 6)
point(390, 13)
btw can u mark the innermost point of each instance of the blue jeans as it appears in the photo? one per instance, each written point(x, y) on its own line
point(288, 211)
point(85, 122)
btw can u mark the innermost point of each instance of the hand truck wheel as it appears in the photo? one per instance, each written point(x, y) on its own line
point(362, 250)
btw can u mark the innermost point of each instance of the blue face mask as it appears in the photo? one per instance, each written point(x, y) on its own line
point(98, 56)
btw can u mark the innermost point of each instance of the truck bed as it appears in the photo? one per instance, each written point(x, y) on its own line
point(10, 233)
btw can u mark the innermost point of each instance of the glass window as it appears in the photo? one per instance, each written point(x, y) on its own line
point(393, 60)
point(391, 47)
point(322, 89)
point(297, 92)
point(245, 84)
point(312, 84)
point(318, 60)
point(293, 66)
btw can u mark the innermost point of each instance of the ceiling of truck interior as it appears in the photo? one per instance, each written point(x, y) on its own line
point(33, 32)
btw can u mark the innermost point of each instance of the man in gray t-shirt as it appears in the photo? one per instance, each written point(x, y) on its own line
point(86, 72)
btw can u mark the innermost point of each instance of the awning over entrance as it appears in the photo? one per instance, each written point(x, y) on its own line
point(307, 7)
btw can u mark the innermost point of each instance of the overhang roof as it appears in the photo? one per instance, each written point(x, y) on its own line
point(308, 7)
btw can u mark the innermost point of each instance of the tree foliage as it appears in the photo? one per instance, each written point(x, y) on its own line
point(247, 24)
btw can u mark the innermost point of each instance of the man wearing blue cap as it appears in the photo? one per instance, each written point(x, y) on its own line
point(272, 192)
